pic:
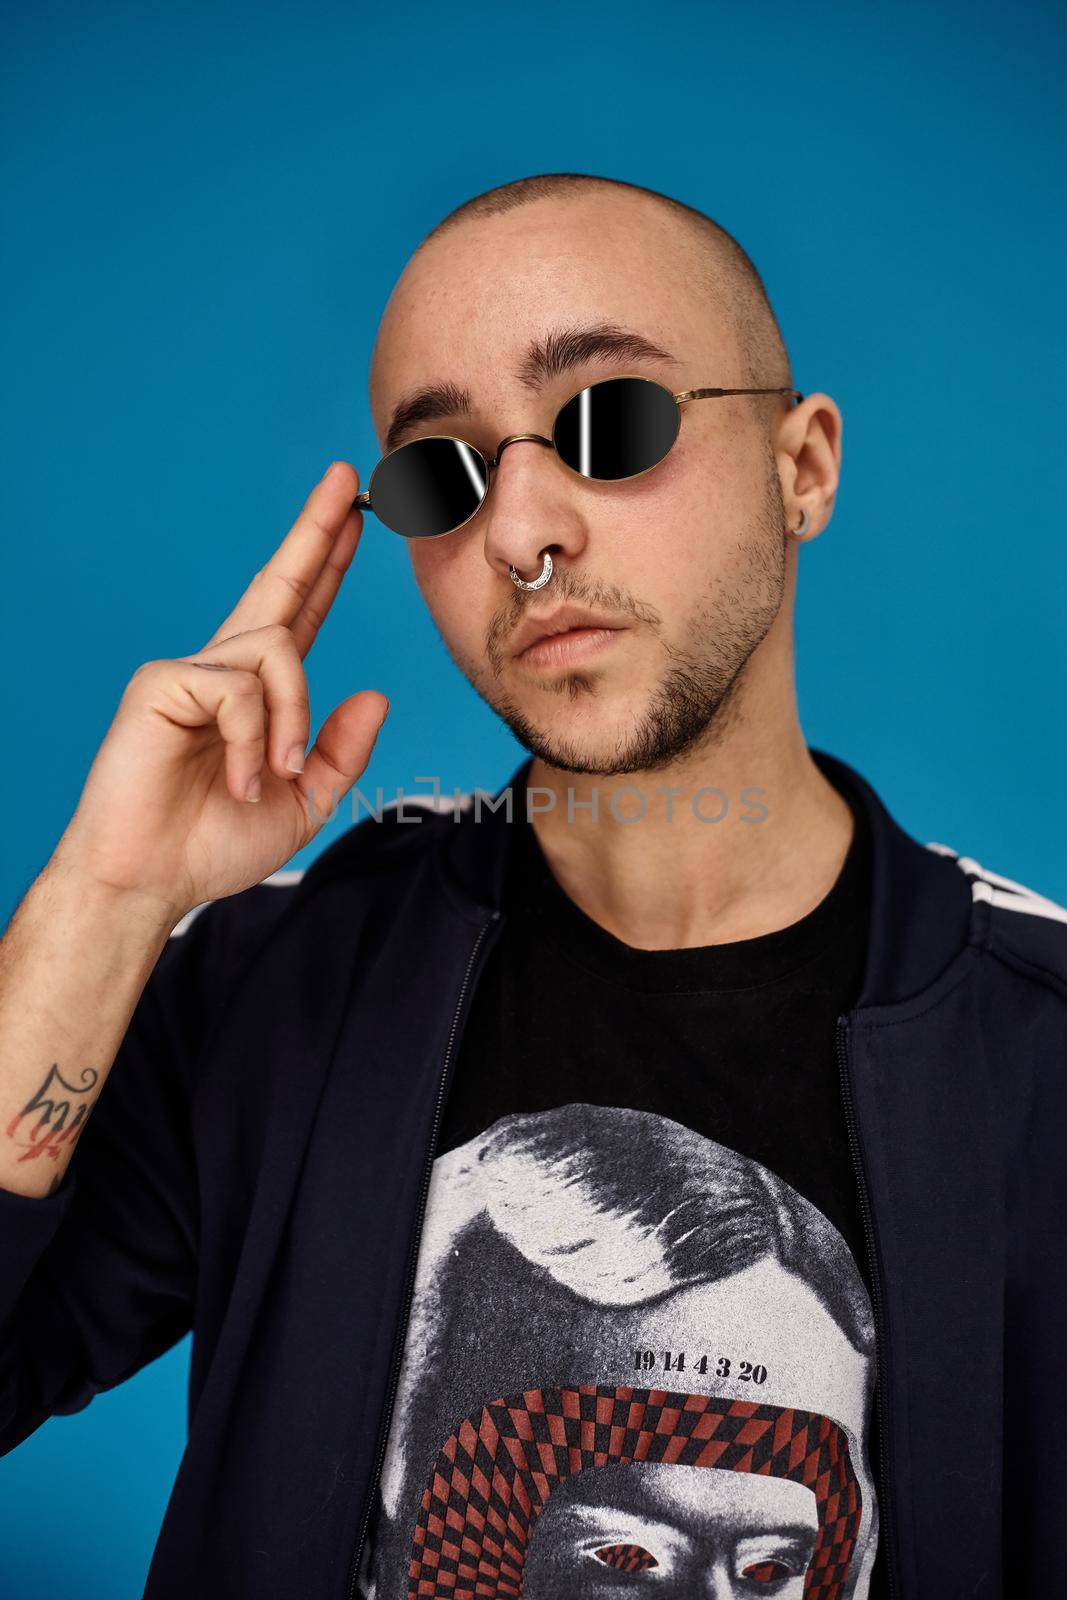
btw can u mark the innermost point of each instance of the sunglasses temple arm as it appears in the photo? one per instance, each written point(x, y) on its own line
point(363, 500)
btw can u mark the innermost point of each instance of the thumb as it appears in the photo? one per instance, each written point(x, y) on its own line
point(340, 754)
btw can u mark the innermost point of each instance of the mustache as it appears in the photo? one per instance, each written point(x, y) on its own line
point(603, 597)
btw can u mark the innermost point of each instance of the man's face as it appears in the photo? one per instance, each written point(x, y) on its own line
point(688, 561)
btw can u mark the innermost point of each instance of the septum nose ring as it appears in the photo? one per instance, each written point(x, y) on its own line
point(536, 583)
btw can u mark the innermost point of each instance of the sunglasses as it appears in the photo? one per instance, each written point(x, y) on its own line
point(610, 432)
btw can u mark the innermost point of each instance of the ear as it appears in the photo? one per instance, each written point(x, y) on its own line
point(808, 453)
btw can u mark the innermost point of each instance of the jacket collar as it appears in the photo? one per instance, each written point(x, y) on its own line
point(921, 906)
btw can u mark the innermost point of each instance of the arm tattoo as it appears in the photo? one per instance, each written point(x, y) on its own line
point(53, 1103)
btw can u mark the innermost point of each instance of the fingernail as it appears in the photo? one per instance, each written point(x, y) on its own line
point(331, 469)
point(255, 788)
point(294, 761)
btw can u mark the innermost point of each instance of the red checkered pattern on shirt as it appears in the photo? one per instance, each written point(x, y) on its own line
point(496, 1471)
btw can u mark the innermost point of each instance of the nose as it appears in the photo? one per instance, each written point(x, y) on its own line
point(517, 521)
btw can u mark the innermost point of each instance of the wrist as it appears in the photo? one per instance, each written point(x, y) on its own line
point(67, 877)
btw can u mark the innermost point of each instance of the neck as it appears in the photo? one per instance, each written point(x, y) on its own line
point(677, 878)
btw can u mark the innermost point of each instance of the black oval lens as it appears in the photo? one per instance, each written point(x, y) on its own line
point(617, 428)
point(428, 487)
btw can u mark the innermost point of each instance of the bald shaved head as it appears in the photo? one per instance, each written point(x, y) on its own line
point(725, 273)
point(510, 306)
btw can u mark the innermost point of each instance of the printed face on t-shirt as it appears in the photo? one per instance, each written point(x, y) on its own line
point(685, 1531)
point(636, 1360)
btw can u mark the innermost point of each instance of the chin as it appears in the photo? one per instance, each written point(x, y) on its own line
point(595, 744)
point(635, 734)
point(564, 739)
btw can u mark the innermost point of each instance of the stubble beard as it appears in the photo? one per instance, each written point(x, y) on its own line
point(699, 697)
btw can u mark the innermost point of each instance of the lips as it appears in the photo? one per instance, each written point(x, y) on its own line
point(565, 620)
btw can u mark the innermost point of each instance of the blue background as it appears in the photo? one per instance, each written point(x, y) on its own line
point(205, 213)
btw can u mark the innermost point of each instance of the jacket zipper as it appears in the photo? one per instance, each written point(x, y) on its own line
point(873, 1258)
point(409, 1289)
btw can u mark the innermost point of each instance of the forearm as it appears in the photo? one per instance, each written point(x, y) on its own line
point(73, 964)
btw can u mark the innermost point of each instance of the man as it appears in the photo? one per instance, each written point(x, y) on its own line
point(846, 1302)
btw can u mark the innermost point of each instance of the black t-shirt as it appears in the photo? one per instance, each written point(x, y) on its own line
point(643, 1251)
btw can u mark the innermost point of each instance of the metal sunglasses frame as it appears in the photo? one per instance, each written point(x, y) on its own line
point(363, 500)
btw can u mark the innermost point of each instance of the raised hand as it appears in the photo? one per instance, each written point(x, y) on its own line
point(200, 787)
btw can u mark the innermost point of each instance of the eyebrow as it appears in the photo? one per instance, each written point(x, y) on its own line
point(559, 351)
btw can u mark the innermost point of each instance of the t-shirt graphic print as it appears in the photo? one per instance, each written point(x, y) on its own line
point(637, 1362)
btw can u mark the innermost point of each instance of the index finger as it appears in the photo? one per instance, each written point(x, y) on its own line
point(279, 590)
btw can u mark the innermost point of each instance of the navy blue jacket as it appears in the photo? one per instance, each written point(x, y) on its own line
point(257, 1165)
